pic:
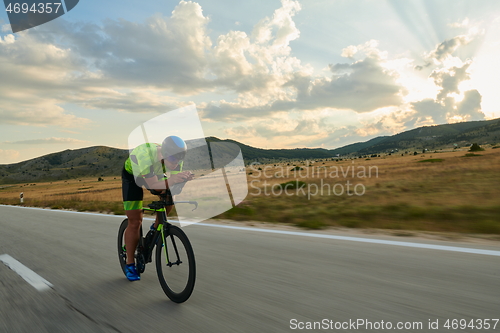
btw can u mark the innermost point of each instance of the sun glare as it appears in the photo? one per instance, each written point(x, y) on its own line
point(485, 71)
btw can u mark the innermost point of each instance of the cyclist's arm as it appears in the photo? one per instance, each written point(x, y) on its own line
point(159, 185)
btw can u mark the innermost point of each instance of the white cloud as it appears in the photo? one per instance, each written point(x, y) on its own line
point(7, 39)
point(452, 102)
point(446, 48)
point(295, 129)
point(448, 110)
point(258, 67)
point(282, 21)
point(7, 156)
point(52, 140)
point(25, 111)
point(385, 121)
point(362, 86)
point(267, 91)
point(260, 63)
point(464, 23)
point(127, 66)
point(137, 100)
point(443, 52)
point(349, 51)
point(92, 66)
point(470, 107)
point(448, 79)
point(34, 81)
point(430, 108)
point(447, 107)
point(166, 52)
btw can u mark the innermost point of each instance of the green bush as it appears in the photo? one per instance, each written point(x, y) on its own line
point(350, 223)
point(476, 147)
point(311, 224)
point(487, 227)
point(291, 185)
point(432, 160)
point(239, 212)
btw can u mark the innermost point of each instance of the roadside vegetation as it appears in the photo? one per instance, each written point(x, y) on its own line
point(422, 192)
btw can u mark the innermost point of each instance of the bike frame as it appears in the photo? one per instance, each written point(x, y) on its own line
point(173, 240)
point(163, 226)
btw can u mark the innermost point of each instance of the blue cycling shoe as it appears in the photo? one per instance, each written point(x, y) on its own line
point(131, 273)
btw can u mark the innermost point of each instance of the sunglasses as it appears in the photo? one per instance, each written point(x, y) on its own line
point(175, 158)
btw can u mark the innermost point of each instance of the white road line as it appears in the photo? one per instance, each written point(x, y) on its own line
point(365, 240)
point(27, 274)
point(306, 234)
point(63, 211)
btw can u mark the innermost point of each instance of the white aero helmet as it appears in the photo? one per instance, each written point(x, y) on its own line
point(173, 149)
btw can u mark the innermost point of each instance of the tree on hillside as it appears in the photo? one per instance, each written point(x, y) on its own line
point(476, 147)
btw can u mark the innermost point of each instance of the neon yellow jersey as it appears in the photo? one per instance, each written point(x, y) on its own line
point(145, 162)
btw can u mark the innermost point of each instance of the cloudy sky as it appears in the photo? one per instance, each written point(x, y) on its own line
point(268, 73)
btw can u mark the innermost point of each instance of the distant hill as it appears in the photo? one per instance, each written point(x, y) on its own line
point(437, 137)
point(103, 161)
point(96, 161)
point(359, 146)
point(258, 154)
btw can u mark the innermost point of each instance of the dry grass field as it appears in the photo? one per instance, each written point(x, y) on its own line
point(447, 191)
point(82, 195)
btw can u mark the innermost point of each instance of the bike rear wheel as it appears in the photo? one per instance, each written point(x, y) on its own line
point(122, 254)
point(175, 264)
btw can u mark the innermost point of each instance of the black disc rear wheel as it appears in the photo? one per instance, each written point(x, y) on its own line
point(175, 265)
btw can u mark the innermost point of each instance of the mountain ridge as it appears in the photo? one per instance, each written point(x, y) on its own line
point(102, 161)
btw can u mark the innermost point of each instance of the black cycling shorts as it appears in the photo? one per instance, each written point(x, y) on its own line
point(131, 192)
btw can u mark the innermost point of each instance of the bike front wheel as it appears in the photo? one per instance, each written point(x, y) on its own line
point(175, 264)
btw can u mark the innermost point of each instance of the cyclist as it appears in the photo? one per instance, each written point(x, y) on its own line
point(148, 165)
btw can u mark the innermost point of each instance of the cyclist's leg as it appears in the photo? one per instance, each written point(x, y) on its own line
point(132, 233)
point(132, 202)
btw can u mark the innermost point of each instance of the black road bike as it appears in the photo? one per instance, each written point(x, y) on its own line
point(174, 256)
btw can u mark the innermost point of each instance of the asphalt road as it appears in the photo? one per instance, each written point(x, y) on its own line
point(247, 281)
